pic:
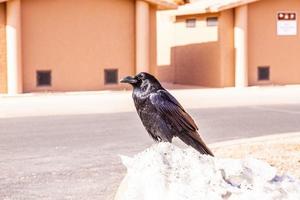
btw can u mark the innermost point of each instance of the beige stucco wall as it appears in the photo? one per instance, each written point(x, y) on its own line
point(203, 55)
point(165, 41)
point(206, 56)
point(153, 40)
point(196, 52)
point(189, 53)
point(266, 48)
point(77, 40)
point(3, 66)
point(226, 38)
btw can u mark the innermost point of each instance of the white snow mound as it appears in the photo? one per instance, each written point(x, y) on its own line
point(166, 172)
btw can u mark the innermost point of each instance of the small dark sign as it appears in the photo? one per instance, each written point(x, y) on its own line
point(286, 16)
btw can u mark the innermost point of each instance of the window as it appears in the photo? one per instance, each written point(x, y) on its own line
point(263, 73)
point(190, 23)
point(212, 21)
point(111, 76)
point(43, 78)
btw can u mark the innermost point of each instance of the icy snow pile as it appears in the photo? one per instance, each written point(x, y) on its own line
point(166, 172)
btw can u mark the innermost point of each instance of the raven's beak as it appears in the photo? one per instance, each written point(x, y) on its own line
point(128, 79)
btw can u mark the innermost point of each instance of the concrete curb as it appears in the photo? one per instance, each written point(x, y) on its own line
point(269, 138)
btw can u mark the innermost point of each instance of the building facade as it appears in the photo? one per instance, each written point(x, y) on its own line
point(75, 45)
point(238, 43)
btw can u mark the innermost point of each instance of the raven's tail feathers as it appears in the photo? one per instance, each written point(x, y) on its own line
point(197, 144)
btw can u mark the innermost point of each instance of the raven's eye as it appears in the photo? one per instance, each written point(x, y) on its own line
point(141, 76)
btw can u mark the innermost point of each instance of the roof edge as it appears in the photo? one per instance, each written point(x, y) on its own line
point(163, 4)
point(190, 9)
point(230, 5)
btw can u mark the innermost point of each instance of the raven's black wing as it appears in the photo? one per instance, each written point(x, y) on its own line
point(169, 107)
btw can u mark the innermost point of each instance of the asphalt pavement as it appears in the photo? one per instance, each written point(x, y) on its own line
point(76, 156)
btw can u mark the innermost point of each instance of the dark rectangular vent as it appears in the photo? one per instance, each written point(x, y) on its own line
point(111, 76)
point(212, 21)
point(43, 78)
point(263, 73)
point(190, 23)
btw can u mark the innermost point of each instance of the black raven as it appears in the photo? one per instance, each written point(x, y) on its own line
point(161, 114)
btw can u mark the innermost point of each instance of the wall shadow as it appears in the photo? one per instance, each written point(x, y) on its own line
point(193, 64)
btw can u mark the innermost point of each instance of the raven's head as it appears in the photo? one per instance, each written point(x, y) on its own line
point(143, 81)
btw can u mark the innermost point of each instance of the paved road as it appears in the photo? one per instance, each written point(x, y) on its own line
point(76, 156)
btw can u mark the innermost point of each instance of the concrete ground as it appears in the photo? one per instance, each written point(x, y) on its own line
point(66, 146)
point(75, 103)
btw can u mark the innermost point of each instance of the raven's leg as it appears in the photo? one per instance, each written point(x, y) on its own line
point(164, 133)
point(164, 137)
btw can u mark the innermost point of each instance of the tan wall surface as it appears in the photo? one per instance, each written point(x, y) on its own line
point(153, 38)
point(194, 64)
point(185, 36)
point(77, 40)
point(3, 66)
point(203, 55)
point(183, 53)
point(226, 37)
point(197, 53)
point(266, 48)
point(165, 40)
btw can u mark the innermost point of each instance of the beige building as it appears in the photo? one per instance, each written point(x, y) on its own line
point(76, 45)
point(220, 43)
point(72, 45)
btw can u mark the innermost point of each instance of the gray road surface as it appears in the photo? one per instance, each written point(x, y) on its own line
point(76, 156)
